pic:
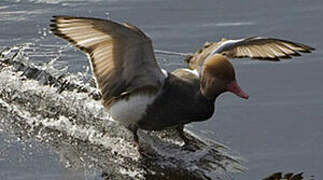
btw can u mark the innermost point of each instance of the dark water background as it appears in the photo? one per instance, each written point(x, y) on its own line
point(280, 128)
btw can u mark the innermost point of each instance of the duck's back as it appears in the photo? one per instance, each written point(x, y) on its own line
point(180, 102)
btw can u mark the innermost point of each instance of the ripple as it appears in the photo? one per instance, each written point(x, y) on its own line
point(228, 24)
point(14, 15)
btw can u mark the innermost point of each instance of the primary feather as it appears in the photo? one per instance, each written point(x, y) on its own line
point(121, 56)
point(254, 47)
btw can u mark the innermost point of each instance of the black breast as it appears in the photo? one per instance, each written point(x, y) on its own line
point(179, 103)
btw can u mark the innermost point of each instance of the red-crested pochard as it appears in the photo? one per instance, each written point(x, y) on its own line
point(139, 94)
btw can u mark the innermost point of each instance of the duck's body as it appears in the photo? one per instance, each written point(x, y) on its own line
point(180, 102)
point(139, 94)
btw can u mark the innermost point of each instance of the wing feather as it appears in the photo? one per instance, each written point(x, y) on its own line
point(260, 48)
point(121, 56)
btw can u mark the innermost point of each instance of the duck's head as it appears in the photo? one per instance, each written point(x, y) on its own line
point(218, 76)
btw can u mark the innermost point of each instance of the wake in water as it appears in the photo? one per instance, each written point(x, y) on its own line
point(62, 110)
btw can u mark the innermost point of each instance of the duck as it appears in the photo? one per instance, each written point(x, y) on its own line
point(139, 94)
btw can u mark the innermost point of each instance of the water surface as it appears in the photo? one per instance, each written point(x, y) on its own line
point(278, 129)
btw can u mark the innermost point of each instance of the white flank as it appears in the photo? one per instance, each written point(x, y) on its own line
point(129, 111)
point(165, 73)
point(192, 71)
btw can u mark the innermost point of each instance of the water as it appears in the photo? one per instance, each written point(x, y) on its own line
point(277, 129)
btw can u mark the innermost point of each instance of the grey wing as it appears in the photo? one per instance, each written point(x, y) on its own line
point(254, 47)
point(261, 48)
point(121, 56)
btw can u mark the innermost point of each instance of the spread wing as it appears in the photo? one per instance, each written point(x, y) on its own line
point(121, 56)
point(254, 47)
